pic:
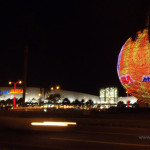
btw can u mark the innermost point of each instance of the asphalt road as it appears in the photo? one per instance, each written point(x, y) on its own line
point(73, 138)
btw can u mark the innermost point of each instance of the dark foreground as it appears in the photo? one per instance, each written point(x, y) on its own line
point(79, 138)
point(104, 132)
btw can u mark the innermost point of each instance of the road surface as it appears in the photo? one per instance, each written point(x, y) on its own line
point(73, 138)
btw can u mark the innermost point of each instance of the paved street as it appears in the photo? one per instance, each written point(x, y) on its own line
point(81, 137)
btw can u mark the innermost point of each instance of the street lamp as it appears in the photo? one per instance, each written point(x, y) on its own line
point(57, 87)
point(15, 83)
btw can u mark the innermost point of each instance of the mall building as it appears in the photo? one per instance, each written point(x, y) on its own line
point(33, 94)
point(107, 97)
point(72, 96)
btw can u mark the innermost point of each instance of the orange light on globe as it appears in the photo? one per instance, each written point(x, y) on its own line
point(134, 66)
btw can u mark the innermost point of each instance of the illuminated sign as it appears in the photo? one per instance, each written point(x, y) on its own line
point(4, 92)
point(12, 91)
point(16, 91)
point(146, 79)
point(126, 79)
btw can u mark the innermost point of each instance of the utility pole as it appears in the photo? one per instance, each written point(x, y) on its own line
point(148, 18)
point(25, 72)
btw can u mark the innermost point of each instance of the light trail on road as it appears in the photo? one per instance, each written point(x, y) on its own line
point(53, 123)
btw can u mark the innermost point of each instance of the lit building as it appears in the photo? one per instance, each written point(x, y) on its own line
point(32, 93)
point(108, 96)
point(131, 99)
point(72, 96)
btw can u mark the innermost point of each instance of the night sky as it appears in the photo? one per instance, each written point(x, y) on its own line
point(74, 44)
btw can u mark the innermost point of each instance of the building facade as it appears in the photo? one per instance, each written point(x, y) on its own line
point(108, 97)
point(33, 94)
point(72, 96)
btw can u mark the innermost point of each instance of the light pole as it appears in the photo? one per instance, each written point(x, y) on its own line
point(57, 88)
point(54, 94)
point(15, 83)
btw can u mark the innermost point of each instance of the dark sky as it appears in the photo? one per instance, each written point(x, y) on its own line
point(74, 44)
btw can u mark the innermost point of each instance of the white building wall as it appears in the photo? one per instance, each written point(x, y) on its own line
point(132, 99)
point(71, 95)
point(32, 93)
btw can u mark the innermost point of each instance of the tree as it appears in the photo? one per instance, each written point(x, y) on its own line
point(2, 102)
point(40, 101)
point(54, 98)
point(20, 101)
point(9, 101)
point(120, 104)
point(66, 101)
point(135, 105)
point(89, 103)
point(82, 101)
point(76, 102)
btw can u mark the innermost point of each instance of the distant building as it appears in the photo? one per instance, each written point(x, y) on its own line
point(72, 96)
point(32, 93)
point(131, 99)
point(108, 96)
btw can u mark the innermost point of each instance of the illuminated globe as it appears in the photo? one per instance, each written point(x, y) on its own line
point(134, 66)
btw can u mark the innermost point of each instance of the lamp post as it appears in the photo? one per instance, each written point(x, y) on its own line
point(15, 83)
point(54, 93)
point(57, 88)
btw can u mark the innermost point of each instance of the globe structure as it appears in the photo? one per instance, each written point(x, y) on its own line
point(133, 66)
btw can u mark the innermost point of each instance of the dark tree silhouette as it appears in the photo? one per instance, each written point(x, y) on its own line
point(82, 101)
point(40, 101)
point(20, 101)
point(2, 102)
point(9, 101)
point(120, 104)
point(89, 103)
point(135, 105)
point(66, 101)
point(54, 98)
point(76, 102)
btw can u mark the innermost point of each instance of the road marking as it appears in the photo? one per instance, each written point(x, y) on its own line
point(100, 142)
point(108, 133)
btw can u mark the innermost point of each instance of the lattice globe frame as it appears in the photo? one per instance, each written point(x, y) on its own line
point(133, 66)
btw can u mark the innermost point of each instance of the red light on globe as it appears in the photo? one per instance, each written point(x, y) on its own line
point(134, 66)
